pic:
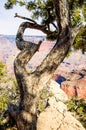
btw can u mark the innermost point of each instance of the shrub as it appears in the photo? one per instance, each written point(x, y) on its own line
point(78, 108)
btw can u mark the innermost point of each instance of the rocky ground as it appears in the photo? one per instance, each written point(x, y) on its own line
point(56, 115)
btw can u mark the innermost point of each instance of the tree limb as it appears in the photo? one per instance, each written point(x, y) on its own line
point(61, 48)
point(77, 29)
point(22, 44)
point(54, 26)
point(56, 56)
point(33, 25)
point(16, 15)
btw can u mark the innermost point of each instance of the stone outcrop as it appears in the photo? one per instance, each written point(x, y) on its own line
point(55, 116)
point(72, 83)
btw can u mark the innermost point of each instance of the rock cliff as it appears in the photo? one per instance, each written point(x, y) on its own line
point(56, 116)
point(73, 83)
point(75, 88)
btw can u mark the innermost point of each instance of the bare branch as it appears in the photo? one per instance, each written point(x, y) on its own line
point(54, 26)
point(19, 16)
point(33, 25)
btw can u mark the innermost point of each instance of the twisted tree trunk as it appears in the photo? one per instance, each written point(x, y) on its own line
point(31, 84)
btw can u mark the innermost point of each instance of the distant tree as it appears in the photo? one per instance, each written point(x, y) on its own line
point(59, 19)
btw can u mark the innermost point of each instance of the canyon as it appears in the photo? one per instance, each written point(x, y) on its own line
point(71, 74)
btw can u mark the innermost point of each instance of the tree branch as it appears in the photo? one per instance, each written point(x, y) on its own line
point(36, 26)
point(77, 29)
point(33, 25)
point(16, 15)
point(61, 48)
point(22, 44)
point(27, 51)
point(55, 57)
point(54, 26)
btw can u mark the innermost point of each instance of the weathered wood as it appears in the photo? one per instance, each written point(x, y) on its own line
point(30, 84)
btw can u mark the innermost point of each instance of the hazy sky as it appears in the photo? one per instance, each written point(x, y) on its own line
point(9, 24)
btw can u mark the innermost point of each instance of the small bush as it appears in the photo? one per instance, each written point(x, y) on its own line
point(78, 108)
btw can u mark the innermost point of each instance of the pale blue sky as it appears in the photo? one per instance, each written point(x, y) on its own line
point(9, 24)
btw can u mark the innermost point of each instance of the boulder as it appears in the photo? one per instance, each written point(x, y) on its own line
point(55, 116)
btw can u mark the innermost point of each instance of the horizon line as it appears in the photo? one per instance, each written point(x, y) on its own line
point(24, 35)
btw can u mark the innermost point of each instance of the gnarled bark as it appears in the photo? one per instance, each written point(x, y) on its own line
point(30, 84)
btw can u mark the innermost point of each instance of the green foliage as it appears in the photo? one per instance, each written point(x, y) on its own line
point(22, 3)
point(41, 9)
point(41, 105)
point(8, 5)
point(76, 17)
point(8, 93)
point(3, 102)
point(75, 3)
point(80, 41)
point(77, 10)
point(84, 11)
point(44, 10)
point(38, 9)
point(71, 105)
point(12, 1)
point(31, 6)
point(69, 53)
point(2, 70)
point(45, 94)
point(78, 107)
point(3, 107)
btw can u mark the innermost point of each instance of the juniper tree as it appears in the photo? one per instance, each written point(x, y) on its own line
point(59, 19)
